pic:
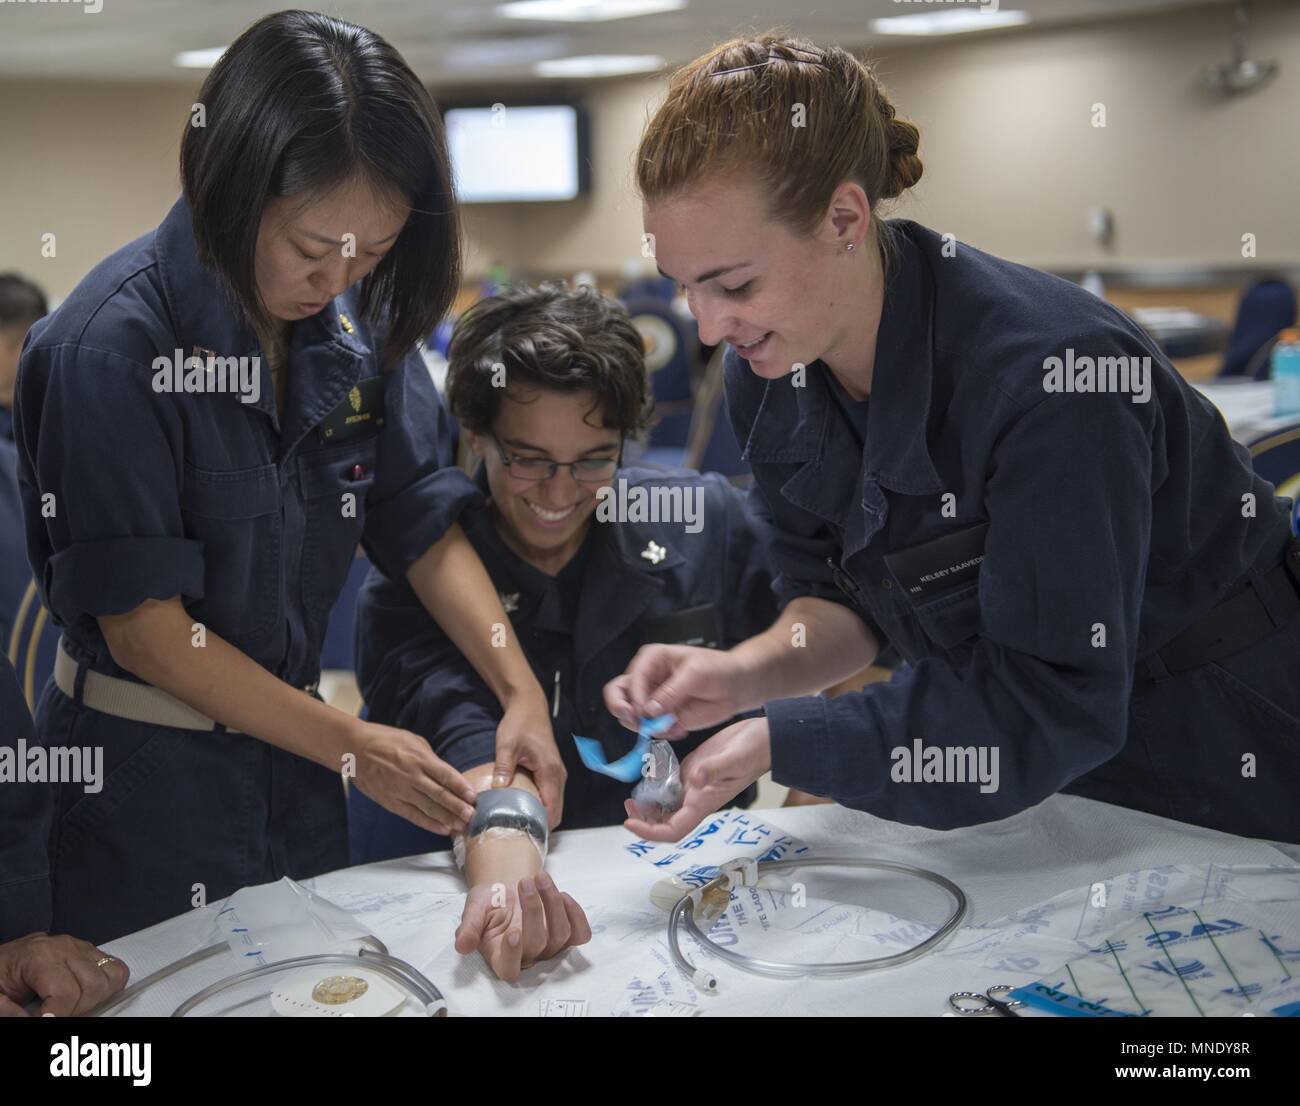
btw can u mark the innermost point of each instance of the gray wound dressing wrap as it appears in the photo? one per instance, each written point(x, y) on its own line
point(506, 812)
point(660, 791)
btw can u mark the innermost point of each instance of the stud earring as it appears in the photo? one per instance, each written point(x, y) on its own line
point(849, 247)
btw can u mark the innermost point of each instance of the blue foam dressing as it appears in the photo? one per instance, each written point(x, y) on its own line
point(628, 767)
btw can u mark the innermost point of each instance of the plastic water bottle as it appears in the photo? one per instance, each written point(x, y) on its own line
point(1286, 373)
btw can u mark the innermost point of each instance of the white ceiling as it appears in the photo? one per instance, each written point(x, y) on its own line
point(457, 41)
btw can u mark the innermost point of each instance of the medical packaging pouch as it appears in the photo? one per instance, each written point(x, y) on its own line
point(660, 791)
point(277, 921)
point(1179, 962)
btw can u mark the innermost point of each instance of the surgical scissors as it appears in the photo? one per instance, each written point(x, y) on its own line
point(992, 1001)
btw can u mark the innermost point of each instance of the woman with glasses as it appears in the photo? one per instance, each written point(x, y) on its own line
point(548, 384)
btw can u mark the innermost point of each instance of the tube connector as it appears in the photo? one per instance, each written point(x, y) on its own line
point(705, 981)
point(740, 872)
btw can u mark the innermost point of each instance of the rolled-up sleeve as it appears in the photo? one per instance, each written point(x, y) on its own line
point(418, 491)
point(1048, 681)
point(101, 487)
point(454, 711)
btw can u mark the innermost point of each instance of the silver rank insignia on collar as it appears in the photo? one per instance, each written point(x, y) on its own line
point(509, 602)
point(654, 553)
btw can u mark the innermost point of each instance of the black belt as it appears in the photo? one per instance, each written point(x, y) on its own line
point(1250, 614)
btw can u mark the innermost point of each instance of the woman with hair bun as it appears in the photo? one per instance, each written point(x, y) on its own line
point(983, 465)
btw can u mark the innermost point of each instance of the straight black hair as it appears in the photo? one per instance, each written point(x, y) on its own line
point(302, 102)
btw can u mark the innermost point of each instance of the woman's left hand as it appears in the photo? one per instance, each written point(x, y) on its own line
point(525, 739)
point(713, 775)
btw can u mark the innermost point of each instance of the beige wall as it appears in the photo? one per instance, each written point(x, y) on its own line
point(1184, 172)
point(95, 165)
point(1012, 160)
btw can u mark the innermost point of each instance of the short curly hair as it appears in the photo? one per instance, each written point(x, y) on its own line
point(548, 336)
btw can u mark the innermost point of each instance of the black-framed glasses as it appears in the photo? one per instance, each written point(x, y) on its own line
point(589, 470)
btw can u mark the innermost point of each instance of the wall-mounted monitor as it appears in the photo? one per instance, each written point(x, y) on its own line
point(518, 153)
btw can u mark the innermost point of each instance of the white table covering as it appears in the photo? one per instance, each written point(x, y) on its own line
point(1064, 843)
point(1247, 407)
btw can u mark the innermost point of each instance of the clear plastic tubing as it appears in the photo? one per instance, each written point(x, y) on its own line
point(684, 913)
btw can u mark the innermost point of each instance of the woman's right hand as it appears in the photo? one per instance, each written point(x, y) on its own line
point(399, 771)
point(701, 687)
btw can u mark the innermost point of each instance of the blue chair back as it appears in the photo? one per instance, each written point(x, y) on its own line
point(30, 641)
point(655, 288)
point(1276, 457)
point(1267, 307)
point(671, 354)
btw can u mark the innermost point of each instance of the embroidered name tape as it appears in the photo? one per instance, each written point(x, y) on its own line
point(937, 567)
point(361, 413)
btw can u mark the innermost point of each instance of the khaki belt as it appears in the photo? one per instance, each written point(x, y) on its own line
point(127, 699)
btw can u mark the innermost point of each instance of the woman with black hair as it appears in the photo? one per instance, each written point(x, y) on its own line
point(207, 428)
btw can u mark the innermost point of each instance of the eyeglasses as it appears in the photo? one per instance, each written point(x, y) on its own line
point(589, 470)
